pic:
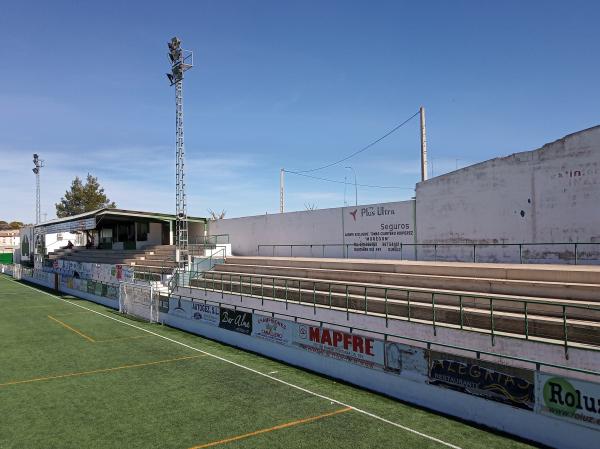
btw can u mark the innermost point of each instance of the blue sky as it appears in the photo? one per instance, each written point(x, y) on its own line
point(282, 84)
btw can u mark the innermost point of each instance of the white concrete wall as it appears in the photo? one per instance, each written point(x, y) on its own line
point(546, 195)
point(154, 236)
point(333, 226)
point(527, 424)
point(513, 347)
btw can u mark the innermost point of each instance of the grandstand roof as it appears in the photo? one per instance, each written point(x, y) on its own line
point(116, 214)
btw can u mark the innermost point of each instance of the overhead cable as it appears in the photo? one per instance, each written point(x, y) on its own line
point(348, 183)
point(390, 132)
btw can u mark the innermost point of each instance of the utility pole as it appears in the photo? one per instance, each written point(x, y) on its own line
point(181, 61)
point(281, 192)
point(355, 186)
point(423, 145)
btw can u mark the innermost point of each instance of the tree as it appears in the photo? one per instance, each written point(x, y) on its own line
point(217, 216)
point(4, 225)
point(83, 198)
point(15, 225)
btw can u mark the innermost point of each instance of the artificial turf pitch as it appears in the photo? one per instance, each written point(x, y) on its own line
point(73, 378)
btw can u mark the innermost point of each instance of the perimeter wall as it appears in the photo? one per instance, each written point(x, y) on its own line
point(546, 195)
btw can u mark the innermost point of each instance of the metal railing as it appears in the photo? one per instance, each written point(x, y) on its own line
point(574, 252)
point(428, 344)
point(386, 336)
point(529, 319)
point(215, 239)
point(182, 278)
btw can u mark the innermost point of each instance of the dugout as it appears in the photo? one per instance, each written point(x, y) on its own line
point(116, 229)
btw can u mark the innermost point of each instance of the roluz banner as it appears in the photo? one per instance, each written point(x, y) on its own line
point(568, 399)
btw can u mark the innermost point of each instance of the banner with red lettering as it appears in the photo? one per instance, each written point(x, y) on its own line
point(340, 345)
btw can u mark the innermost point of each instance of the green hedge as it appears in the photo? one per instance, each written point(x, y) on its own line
point(6, 258)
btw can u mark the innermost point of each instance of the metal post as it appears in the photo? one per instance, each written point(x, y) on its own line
point(347, 304)
point(526, 321)
point(355, 187)
point(386, 306)
point(423, 145)
point(565, 331)
point(433, 310)
point(281, 191)
point(520, 253)
point(492, 320)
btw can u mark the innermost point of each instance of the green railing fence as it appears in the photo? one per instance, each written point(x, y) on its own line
point(573, 252)
point(527, 318)
point(428, 344)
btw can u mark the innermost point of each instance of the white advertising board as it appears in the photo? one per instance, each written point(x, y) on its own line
point(272, 329)
point(568, 399)
point(377, 230)
point(337, 344)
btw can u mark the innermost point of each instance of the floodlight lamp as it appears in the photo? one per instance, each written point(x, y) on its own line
point(35, 170)
point(171, 78)
point(175, 43)
point(35, 157)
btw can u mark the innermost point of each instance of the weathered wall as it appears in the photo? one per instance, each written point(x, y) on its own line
point(546, 195)
point(374, 228)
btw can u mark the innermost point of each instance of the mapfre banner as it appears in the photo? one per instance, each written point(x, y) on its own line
point(340, 345)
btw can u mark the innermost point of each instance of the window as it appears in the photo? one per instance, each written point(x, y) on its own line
point(142, 231)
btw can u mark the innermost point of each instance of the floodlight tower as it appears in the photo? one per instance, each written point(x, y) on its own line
point(38, 164)
point(181, 61)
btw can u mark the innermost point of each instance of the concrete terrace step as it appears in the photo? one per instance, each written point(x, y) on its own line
point(547, 289)
point(583, 274)
point(508, 323)
point(586, 310)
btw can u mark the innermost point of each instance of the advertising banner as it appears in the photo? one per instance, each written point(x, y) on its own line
point(207, 313)
point(236, 320)
point(272, 329)
point(407, 361)
point(337, 344)
point(507, 384)
point(376, 231)
point(568, 399)
point(70, 226)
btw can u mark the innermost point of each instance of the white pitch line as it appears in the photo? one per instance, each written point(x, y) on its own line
point(247, 368)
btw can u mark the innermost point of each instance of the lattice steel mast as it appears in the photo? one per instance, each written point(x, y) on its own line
point(38, 164)
point(181, 61)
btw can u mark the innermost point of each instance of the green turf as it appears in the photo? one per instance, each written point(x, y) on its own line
point(179, 403)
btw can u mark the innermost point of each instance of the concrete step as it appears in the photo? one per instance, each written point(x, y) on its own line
point(547, 289)
point(151, 263)
point(505, 323)
point(153, 269)
point(582, 274)
point(577, 309)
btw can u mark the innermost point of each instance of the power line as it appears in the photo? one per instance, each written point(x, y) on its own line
point(393, 130)
point(342, 182)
